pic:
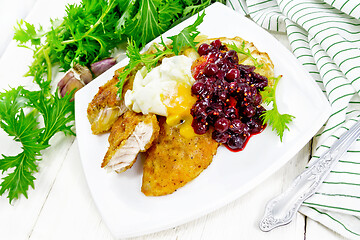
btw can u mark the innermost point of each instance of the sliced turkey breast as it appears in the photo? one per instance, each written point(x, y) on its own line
point(131, 133)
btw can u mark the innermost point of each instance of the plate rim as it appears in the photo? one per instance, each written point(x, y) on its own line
point(238, 192)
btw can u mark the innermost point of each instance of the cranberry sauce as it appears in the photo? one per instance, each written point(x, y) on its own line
point(228, 96)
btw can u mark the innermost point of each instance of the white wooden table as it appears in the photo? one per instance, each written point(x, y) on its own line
point(60, 206)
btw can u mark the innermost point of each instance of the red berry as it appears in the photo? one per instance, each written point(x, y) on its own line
point(232, 74)
point(200, 127)
point(216, 43)
point(197, 88)
point(236, 142)
point(249, 111)
point(220, 137)
point(204, 49)
point(222, 124)
point(211, 69)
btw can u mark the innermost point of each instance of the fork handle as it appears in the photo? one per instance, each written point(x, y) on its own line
point(280, 210)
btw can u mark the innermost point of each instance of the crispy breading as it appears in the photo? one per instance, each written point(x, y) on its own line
point(171, 160)
point(106, 106)
point(131, 133)
point(174, 160)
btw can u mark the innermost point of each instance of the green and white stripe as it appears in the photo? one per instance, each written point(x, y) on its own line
point(351, 8)
point(238, 5)
point(325, 37)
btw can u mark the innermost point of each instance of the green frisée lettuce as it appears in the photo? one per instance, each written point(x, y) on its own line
point(88, 33)
point(25, 128)
point(278, 122)
point(246, 52)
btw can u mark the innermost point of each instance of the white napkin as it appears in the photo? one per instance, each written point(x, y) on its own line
point(325, 37)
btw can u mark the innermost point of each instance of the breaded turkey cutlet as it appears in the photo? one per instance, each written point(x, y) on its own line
point(171, 160)
point(174, 160)
point(131, 133)
point(106, 106)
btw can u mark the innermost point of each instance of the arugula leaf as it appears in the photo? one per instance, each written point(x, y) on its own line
point(187, 36)
point(279, 122)
point(18, 182)
point(133, 53)
point(25, 131)
point(246, 52)
point(24, 128)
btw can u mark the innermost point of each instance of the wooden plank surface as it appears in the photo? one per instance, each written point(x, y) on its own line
point(70, 212)
point(316, 231)
point(61, 206)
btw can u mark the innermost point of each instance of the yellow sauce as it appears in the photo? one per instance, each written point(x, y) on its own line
point(165, 91)
point(178, 109)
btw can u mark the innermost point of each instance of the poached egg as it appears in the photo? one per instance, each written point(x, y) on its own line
point(165, 91)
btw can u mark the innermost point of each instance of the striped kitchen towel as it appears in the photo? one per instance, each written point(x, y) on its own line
point(325, 37)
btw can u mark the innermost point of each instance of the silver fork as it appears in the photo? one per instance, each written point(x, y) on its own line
point(281, 210)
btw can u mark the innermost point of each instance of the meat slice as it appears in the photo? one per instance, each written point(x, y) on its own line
point(173, 160)
point(106, 107)
point(131, 133)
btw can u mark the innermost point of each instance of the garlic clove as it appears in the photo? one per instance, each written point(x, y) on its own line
point(101, 66)
point(83, 73)
point(77, 77)
point(65, 79)
point(72, 84)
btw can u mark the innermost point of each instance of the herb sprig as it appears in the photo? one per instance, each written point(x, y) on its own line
point(92, 29)
point(56, 115)
point(279, 122)
point(246, 52)
point(186, 38)
point(83, 36)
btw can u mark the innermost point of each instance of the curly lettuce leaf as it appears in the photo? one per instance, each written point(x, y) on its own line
point(246, 52)
point(146, 22)
point(20, 112)
point(187, 36)
point(278, 122)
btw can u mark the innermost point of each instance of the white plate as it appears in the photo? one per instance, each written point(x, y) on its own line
point(128, 212)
